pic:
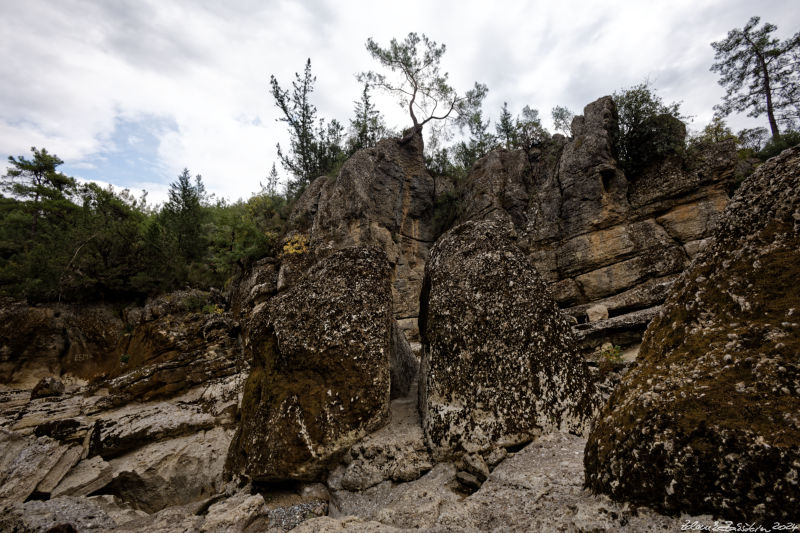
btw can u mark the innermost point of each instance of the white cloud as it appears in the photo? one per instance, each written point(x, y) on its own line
point(75, 69)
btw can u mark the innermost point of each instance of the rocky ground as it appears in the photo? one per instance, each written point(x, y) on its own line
point(385, 483)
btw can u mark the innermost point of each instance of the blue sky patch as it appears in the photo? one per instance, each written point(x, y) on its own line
point(129, 157)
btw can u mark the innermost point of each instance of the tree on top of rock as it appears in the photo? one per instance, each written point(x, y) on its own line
point(418, 82)
point(649, 129)
point(760, 74)
point(315, 148)
point(368, 126)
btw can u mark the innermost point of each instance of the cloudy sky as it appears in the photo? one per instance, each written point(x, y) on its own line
point(131, 92)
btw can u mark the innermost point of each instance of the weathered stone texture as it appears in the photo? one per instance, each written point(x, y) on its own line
point(708, 419)
point(383, 196)
point(499, 365)
point(320, 379)
point(593, 232)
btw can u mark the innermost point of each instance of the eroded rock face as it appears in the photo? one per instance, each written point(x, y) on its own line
point(596, 235)
point(40, 341)
point(175, 342)
point(499, 365)
point(320, 379)
point(384, 197)
point(708, 420)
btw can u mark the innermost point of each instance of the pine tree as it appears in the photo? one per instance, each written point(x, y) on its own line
point(184, 215)
point(506, 132)
point(421, 87)
point(315, 148)
point(368, 126)
point(760, 74)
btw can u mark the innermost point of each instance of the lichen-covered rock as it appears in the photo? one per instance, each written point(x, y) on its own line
point(320, 378)
point(47, 386)
point(708, 419)
point(383, 196)
point(499, 365)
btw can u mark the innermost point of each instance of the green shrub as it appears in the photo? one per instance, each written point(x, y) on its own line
point(194, 302)
point(611, 354)
point(776, 145)
point(212, 309)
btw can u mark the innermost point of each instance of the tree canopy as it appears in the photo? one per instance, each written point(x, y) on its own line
point(315, 148)
point(418, 82)
point(649, 129)
point(760, 74)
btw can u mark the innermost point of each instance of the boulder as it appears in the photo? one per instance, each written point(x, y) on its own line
point(47, 386)
point(172, 472)
point(499, 365)
point(414, 505)
point(597, 312)
point(320, 378)
point(25, 462)
point(707, 421)
point(86, 477)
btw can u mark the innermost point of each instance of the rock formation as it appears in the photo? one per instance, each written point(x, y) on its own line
point(708, 419)
point(152, 427)
point(596, 235)
point(36, 342)
point(383, 196)
point(320, 378)
point(139, 419)
point(499, 367)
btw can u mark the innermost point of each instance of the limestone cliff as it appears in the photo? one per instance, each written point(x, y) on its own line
point(383, 196)
point(708, 419)
point(597, 236)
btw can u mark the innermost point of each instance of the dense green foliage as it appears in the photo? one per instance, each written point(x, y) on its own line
point(63, 241)
point(315, 148)
point(649, 129)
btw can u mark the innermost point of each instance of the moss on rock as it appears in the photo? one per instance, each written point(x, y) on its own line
point(320, 376)
point(709, 420)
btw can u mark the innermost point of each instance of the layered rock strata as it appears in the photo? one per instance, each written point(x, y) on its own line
point(708, 419)
point(595, 234)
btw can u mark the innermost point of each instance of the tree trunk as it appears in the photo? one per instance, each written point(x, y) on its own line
point(773, 124)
